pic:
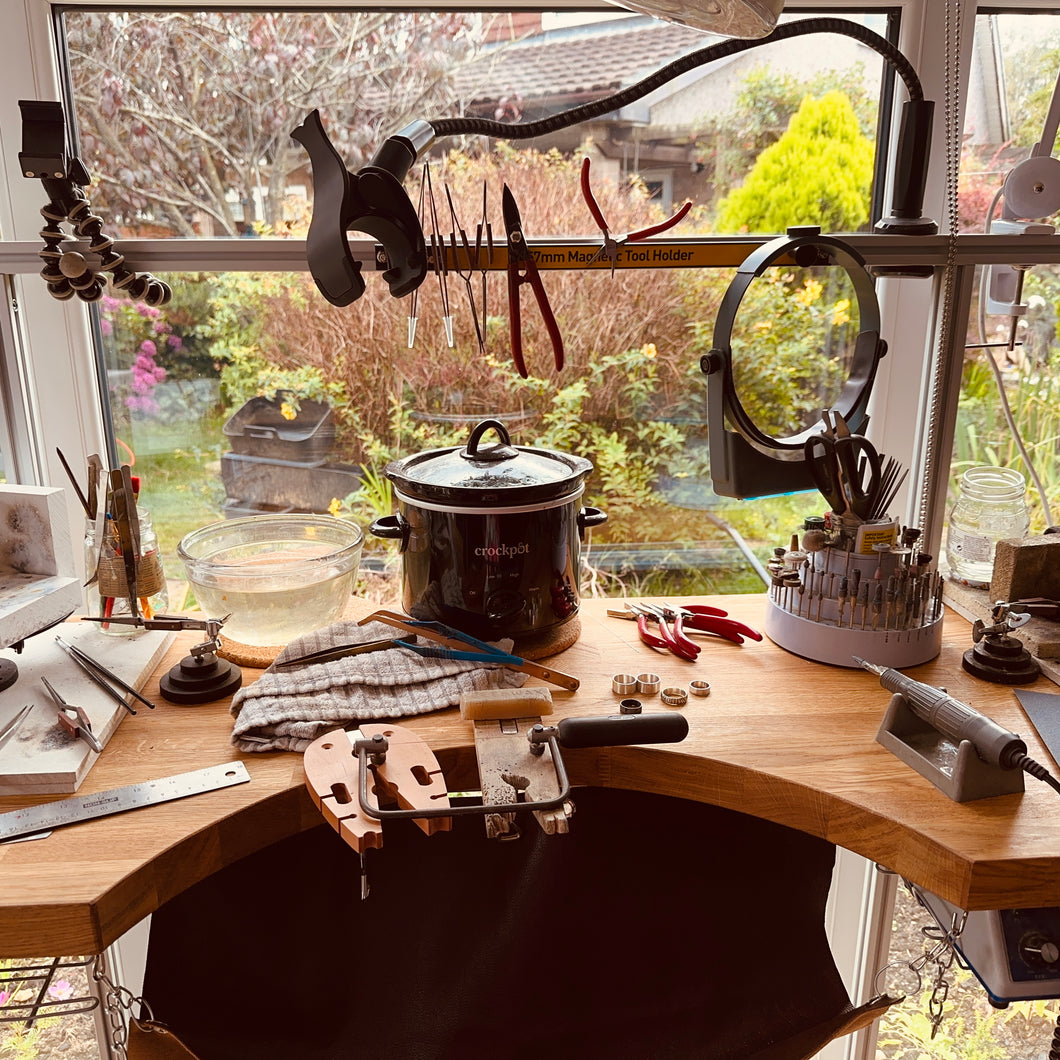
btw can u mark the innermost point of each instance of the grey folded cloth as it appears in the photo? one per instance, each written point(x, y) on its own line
point(286, 710)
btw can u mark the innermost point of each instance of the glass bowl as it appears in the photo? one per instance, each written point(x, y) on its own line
point(276, 576)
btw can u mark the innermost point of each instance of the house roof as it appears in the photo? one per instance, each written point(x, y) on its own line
point(576, 63)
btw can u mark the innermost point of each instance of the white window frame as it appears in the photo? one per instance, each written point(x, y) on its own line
point(50, 376)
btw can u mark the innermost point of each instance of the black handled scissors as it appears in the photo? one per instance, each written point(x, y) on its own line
point(845, 467)
point(523, 269)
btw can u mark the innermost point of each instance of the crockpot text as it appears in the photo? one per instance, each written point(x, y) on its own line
point(502, 551)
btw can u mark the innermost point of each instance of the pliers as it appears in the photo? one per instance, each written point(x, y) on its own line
point(673, 621)
point(523, 269)
point(611, 244)
point(705, 619)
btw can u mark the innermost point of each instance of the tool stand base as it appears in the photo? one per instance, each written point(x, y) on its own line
point(199, 679)
point(1001, 659)
point(955, 769)
point(8, 674)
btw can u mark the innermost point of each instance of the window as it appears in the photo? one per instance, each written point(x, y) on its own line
point(1012, 346)
point(180, 155)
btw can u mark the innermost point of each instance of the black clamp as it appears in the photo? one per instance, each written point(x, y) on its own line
point(372, 201)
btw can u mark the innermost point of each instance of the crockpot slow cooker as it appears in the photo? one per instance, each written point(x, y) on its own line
point(490, 535)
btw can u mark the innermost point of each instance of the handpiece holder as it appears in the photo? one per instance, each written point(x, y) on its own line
point(954, 767)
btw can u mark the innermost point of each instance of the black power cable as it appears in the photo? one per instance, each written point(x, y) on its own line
point(529, 130)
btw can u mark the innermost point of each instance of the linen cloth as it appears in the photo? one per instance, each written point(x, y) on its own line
point(286, 710)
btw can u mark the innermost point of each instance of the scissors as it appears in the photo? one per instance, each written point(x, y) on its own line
point(73, 719)
point(611, 244)
point(523, 269)
point(845, 467)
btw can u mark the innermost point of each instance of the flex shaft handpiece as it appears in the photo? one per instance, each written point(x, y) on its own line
point(994, 744)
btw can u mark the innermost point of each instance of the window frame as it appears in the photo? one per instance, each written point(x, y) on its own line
point(51, 373)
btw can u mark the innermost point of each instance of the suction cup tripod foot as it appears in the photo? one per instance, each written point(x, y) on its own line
point(199, 679)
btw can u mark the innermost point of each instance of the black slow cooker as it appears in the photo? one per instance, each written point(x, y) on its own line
point(490, 535)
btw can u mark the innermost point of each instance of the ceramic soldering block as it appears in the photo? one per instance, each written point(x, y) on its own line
point(1027, 567)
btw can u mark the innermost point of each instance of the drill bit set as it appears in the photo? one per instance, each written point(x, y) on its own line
point(855, 583)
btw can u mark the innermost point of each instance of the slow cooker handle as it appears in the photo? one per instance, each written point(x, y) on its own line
point(589, 517)
point(396, 527)
point(503, 450)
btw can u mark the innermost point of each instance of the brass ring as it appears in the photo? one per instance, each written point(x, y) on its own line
point(674, 697)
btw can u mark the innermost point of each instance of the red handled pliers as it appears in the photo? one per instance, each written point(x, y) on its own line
point(704, 619)
point(673, 621)
point(523, 269)
point(611, 244)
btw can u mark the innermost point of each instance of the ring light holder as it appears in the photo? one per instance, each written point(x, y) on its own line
point(746, 462)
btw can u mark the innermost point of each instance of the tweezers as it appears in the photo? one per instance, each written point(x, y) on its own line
point(452, 644)
point(9, 729)
point(340, 651)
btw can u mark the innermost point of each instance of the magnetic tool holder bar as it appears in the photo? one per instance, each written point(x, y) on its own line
point(576, 253)
point(374, 750)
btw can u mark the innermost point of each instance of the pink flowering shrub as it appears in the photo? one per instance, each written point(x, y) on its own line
point(135, 335)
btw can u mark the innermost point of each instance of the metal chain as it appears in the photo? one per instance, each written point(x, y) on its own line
point(942, 955)
point(119, 1003)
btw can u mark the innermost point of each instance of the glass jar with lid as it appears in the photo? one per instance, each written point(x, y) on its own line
point(991, 507)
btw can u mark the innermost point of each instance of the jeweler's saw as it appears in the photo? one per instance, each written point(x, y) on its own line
point(358, 779)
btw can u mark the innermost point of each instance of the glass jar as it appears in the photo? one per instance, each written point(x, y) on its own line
point(108, 592)
point(991, 507)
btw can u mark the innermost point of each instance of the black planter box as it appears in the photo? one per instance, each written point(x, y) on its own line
point(259, 429)
point(279, 484)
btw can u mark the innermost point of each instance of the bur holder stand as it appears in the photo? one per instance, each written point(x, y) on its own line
point(954, 768)
point(809, 620)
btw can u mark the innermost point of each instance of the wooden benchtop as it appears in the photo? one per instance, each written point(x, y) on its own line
point(779, 737)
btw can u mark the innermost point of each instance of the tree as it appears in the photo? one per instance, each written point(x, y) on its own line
point(819, 172)
point(764, 105)
point(185, 117)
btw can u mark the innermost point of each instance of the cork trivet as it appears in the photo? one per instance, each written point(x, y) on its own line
point(550, 642)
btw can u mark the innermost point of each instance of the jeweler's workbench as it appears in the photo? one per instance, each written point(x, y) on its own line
point(778, 737)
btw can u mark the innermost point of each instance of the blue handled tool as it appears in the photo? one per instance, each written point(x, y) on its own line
point(451, 643)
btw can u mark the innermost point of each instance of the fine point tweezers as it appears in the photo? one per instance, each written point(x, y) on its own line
point(340, 651)
point(8, 730)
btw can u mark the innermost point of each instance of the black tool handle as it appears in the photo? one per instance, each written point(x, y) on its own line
point(622, 729)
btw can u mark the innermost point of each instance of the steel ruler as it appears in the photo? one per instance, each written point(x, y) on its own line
point(50, 815)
